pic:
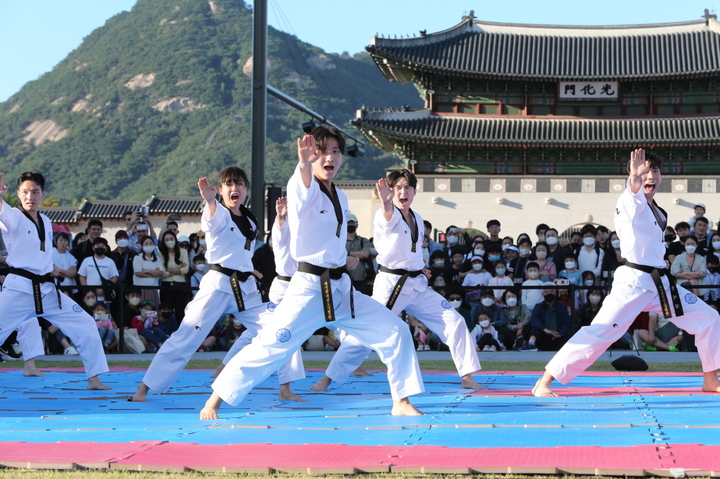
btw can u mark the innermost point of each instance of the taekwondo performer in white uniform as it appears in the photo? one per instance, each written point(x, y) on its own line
point(285, 267)
point(402, 285)
point(321, 289)
point(228, 288)
point(643, 284)
point(29, 290)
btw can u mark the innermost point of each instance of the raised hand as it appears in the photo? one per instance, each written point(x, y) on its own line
point(384, 191)
point(281, 206)
point(207, 190)
point(3, 186)
point(638, 165)
point(307, 149)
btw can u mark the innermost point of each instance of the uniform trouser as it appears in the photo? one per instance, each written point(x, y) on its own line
point(294, 368)
point(299, 315)
point(30, 339)
point(18, 308)
point(616, 315)
point(201, 314)
point(428, 307)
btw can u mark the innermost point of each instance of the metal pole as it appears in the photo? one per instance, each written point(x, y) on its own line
point(259, 112)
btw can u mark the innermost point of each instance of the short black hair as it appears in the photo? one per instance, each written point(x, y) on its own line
point(394, 176)
point(603, 229)
point(682, 224)
point(99, 240)
point(532, 264)
point(588, 229)
point(172, 222)
point(62, 234)
point(703, 219)
point(234, 174)
point(525, 240)
point(165, 306)
point(427, 224)
point(570, 256)
point(322, 133)
point(492, 223)
point(33, 176)
point(654, 160)
point(541, 226)
point(94, 222)
point(199, 257)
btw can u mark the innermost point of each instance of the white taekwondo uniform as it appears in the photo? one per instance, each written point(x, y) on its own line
point(317, 236)
point(633, 291)
point(229, 248)
point(394, 241)
point(17, 301)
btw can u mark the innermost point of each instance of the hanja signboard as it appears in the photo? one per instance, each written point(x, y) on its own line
point(588, 90)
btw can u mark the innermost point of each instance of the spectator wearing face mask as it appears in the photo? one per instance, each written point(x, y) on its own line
point(613, 258)
point(148, 269)
point(487, 306)
point(437, 263)
point(500, 279)
point(455, 237)
point(477, 276)
point(484, 335)
point(519, 265)
point(547, 269)
point(714, 248)
point(456, 297)
point(510, 254)
point(676, 247)
point(690, 267)
point(132, 303)
point(166, 320)
point(556, 253)
point(123, 257)
point(587, 311)
point(517, 317)
point(531, 297)
point(711, 295)
point(590, 255)
point(200, 267)
point(455, 273)
point(575, 241)
point(550, 323)
point(540, 231)
point(98, 267)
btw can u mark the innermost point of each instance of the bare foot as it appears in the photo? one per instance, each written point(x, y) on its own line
point(322, 384)
point(361, 372)
point(542, 387)
point(210, 411)
point(218, 371)
point(404, 408)
point(711, 384)
point(30, 370)
point(469, 383)
point(94, 384)
point(141, 393)
point(287, 395)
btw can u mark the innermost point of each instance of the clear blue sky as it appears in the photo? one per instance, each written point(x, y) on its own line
point(35, 35)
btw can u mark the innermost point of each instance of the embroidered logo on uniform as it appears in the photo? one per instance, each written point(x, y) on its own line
point(322, 212)
point(690, 298)
point(271, 306)
point(283, 335)
point(77, 308)
point(445, 304)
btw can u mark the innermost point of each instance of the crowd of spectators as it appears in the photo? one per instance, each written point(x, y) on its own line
point(526, 293)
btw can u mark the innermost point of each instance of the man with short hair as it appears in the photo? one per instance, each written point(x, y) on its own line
point(676, 247)
point(97, 269)
point(550, 323)
point(123, 257)
point(493, 229)
point(701, 233)
point(699, 211)
point(85, 249)
point(590, 255)
point(556, 252)
point(642, 284)
point(432, 244)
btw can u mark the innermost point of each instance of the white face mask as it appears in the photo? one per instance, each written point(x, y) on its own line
point(541, 254)
point(589, 241)
point(570, 265)
point(716, 244)
point(439, 263)
point(452, 240)
point(589, 282)
point(148, 249)
point(485, 324)
point(170, 244)
point(90, 302)
point(479, 252)
point(477, 267)
point(594, 298)
point(202, 267)
point(551, 240)
point(500, 271)
point(533, 274)
point(615, 244)
point(541, 237)
point(487, 302)
point(690, 249)
point(511, 302)
point(201, 242)
point(134, 301)
point(123, 243)
point(524, 251)
point(456, 303)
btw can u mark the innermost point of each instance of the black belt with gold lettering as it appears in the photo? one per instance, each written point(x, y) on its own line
point(404, 275)
point(236, 277)
point(656, 273)
point(37, 279)
point(326, 274)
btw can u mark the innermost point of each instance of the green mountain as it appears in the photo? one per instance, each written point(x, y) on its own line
point(160, 96)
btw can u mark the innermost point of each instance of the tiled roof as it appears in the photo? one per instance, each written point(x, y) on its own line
point(107, 209)
point(495, 50)
point(176, 204)
point(355, 184)
point(422, 126)
point(61, 215)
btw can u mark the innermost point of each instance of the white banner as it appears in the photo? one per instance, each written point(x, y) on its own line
point(588, 90)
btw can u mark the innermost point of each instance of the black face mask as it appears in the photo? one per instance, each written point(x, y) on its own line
point(100, 251)
point(669, 238)
point(351, 228)
point(549, 297)
point(166, 314)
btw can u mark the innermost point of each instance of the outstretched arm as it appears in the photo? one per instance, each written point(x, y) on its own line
point(281, 210)
point(638, 167)
point(307, 155)
point(208, 191)
point(386, 194)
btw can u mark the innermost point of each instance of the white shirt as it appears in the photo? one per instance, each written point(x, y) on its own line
point(313, 224)
point(477, 278)
point(532, 297)
point(64, 261)
point(498, 281)
point(105, 265)
point(393, 240)
point(589, 261)
point(285, 265)
point(225, 241)
point(23, 246)
point(141, 263)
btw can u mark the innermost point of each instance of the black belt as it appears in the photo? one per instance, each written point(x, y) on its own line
point(284, 278)
point(236, 277)
point(404, 275)
point(37, 279)
point(656, 273)
point(326, 274)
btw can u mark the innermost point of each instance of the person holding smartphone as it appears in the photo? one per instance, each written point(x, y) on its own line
point(147, 326)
